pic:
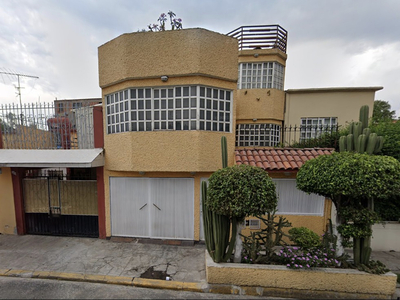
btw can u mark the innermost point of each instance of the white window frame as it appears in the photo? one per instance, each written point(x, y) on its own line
point(169, 108)
point(261, 75)
point(258, 135)
point(313, 127)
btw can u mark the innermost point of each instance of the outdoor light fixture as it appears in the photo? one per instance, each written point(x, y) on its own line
point(142, 173)
point(256, 55)
point(164, 78)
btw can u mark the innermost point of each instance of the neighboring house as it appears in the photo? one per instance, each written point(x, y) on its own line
point(48, 187)
point(64, 106)
point(317, 110)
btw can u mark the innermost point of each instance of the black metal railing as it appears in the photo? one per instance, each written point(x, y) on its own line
point(311, 136)
point(260, 37)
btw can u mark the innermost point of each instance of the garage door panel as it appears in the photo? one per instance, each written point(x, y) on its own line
point(129, 207)
point(152, 207)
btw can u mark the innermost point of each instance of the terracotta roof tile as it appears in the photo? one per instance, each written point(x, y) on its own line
point(278, 159)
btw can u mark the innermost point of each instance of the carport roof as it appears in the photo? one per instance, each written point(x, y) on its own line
point(71, 158)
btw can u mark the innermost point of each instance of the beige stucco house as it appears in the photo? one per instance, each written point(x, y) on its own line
point(316, 110)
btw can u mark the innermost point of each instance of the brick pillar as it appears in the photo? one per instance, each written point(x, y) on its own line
point(98, 131)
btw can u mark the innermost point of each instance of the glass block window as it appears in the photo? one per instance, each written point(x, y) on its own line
point(173, 108)
point(253, 135)
point(265, 75)
point(313, 127)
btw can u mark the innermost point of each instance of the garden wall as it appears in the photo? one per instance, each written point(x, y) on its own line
point(279, 281)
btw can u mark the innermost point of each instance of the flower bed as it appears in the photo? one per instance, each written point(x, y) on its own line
point(280, 281)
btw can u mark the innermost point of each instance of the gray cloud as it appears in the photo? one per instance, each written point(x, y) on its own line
point(331, 43)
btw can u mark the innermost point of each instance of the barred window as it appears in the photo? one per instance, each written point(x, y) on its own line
point(261, 75)
point(267, 135)
point(173, 108)
point(313, 127)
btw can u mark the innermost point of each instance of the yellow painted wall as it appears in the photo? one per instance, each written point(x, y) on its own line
point(343, 103)
point(173, 53)
point(8, 224)
point(166, 151)
point(260, 104)
point(265, 105)
point(197, 180)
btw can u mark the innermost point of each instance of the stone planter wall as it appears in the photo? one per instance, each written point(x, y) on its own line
point(279, 281)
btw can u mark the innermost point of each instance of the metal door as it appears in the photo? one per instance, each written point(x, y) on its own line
point(152, 207)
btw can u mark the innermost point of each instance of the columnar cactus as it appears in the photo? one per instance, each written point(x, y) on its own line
point(216, 226)
point(360, 139)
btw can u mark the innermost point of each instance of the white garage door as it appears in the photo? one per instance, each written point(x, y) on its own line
point(152, 207)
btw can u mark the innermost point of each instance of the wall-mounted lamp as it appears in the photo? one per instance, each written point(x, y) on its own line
point(192, 173)
point(142, 173)
point(164, 78)
point(254, 120)
point(256, 55)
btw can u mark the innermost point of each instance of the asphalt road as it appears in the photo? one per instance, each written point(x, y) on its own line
point(29, 288)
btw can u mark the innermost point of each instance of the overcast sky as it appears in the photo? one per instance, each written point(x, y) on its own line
point(341, 43)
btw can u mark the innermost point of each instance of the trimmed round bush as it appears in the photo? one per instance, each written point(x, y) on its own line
point(241, 191)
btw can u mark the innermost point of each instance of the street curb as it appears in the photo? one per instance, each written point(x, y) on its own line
point(107, 279)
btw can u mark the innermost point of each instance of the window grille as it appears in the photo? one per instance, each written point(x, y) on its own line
point(174, 108)
point(265, 75)
point(252, 135)
point(313, 127)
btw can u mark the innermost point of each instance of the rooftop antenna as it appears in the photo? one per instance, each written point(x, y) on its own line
point(19, 87)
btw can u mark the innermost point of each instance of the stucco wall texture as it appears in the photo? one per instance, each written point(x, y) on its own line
point(8, 224)
point(172, 53)
point(343, 103)
point(330, 281)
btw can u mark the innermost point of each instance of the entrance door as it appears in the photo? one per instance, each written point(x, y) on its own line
point(152, 207)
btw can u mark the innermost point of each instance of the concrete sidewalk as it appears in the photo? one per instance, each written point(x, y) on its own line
point(102, 257)
point(115, 261)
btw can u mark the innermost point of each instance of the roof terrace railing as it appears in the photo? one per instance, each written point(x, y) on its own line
point(260, 37)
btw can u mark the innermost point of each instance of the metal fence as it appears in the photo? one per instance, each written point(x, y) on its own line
point(260, 37)
point(38, 126)
point(310, 136)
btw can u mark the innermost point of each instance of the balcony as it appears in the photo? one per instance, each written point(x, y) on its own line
point(260, 37)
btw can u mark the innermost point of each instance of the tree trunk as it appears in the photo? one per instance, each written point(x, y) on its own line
point(237, 258)
point(339, 246)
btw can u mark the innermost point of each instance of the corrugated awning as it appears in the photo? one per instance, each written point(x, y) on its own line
point(76, 158)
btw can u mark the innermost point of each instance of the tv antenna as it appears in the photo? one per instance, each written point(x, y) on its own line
point(19, 84)
point(19, 87)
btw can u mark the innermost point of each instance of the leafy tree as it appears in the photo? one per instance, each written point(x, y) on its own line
point(352, 181)
point(382, 111)
point(391, 133)
point(238, 192)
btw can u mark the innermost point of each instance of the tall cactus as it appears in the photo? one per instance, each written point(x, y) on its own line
point(216, 226)
point(360, 139)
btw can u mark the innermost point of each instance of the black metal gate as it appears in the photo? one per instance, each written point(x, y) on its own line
point(58, 202)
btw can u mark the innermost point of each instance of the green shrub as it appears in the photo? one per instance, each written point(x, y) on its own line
point(304, 237)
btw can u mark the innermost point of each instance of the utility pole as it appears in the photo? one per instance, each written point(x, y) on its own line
point(19, 88)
